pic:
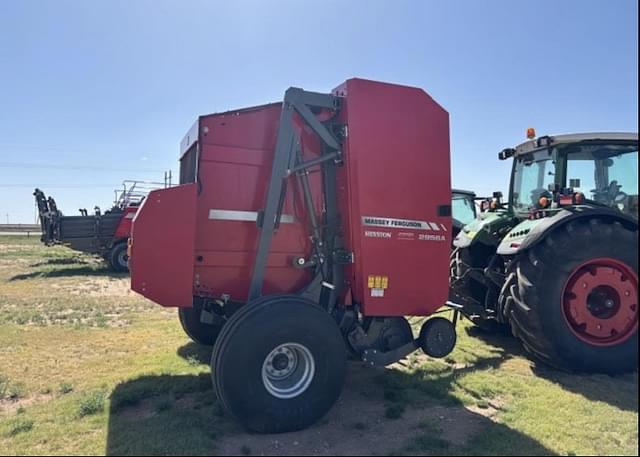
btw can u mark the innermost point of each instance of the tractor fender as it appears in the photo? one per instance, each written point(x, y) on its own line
point(531, 232)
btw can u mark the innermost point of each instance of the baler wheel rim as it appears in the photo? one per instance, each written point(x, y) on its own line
point(292, 379)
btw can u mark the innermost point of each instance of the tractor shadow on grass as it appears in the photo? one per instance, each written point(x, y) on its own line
point(381, 411)
point(620, 391)
point(61, 261)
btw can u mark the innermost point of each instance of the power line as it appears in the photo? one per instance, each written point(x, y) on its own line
point(76, 167)
point(59, 186)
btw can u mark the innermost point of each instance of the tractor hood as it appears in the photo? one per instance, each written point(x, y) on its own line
point(485, 228)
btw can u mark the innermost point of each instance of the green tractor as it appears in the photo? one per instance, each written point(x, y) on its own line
point(557, 263)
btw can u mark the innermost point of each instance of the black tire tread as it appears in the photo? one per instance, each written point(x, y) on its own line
point(228, 332)
point(196, 334)
point(112, 257)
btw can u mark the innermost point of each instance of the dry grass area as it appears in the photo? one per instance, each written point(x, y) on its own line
point(88, 367)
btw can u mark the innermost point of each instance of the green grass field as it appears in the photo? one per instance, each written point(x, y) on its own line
point(89, 367)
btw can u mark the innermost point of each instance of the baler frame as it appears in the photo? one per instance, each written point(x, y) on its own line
point(287, 161)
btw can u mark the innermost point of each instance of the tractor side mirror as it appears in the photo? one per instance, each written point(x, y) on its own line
point(485, 205)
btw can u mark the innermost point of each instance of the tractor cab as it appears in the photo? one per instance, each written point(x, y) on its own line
point(463, 208)
point(567, 170)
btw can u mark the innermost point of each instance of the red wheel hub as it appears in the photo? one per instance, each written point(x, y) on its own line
point(600, 302)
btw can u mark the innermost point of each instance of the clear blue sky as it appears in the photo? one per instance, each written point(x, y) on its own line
point(110, 87)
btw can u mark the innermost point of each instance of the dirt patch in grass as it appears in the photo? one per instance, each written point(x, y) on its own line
point(488, 408)
point(95, 287)
point(11, 406)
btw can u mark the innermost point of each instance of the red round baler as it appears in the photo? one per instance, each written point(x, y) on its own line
point(301, 230)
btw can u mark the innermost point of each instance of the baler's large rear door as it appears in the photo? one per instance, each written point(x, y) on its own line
point(162, 245)
point(400, 195)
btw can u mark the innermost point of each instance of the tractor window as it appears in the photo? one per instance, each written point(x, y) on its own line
point(463, 209)
point(532, 176)
point(607, 174)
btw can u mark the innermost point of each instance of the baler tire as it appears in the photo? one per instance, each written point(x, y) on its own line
point(116, 255)
point(242, 353)
point(199, 332)
point(538, 314)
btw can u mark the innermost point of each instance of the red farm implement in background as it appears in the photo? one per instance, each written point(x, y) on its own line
point(301, 230)
point(104, 234)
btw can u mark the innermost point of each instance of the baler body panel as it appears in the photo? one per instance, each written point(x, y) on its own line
point(395, 168)
point(236, 153)
point(162, 243)
point(399, 175)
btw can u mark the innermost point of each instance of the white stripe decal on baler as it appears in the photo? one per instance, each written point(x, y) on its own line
point(247, 216)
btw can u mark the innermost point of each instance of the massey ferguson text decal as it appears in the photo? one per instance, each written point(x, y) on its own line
point(389, 222)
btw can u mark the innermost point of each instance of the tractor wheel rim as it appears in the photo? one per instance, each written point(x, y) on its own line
point(288, 370)
point(600, 302)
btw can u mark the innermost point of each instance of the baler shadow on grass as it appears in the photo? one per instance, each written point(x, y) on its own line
point(195, 353)
point(591, 386)
point(178, 414)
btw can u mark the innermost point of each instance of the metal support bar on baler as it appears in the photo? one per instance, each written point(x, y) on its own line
point(376, 358)
point(284, 145)
point(317, 161)
point(298, 100)
point(317, 126)
point(303, 178)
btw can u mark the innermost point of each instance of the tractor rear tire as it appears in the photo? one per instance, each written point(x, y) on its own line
point(279, 364)
point(575, 302)
point(118, 258)
point(198, 331)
